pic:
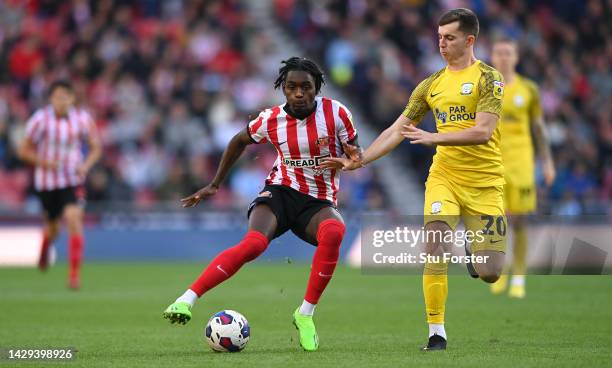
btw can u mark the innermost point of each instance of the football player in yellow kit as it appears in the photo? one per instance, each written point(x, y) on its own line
point(467, 176)
point(521, 113)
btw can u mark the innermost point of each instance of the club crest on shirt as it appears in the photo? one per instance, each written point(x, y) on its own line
point(466, 88)
point(436, 207)
point(519, 100)
point(323, 141)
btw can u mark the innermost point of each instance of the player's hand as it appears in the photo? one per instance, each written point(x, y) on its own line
point(419, 136)
point(354, 153)
point(353, 160)
point(549, 172)
point(195, 198)
point(82, 171)
point(339, 163)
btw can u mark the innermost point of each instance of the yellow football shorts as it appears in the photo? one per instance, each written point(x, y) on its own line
point(480, 208)
point(520, 196)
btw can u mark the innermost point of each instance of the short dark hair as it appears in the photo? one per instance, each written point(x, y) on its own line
point(468, 21)
point(505, 39)
point(62, 83)
point(300, 63)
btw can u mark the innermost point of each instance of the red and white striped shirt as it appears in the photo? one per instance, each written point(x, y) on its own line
point(302, 143)
point(59, 140)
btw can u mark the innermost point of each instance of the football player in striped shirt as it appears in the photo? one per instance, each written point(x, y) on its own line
point(298, 194)
point(53, 145)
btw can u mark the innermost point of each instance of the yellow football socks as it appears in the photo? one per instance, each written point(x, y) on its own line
point(435, 290)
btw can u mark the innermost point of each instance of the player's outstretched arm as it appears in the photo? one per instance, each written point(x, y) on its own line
point(231, 154)
point(478, 134)
point(387, 140)
point(383, 144)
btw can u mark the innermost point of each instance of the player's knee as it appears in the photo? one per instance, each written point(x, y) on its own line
point(437, 226)
point(253, 245)
point(435, 243)
point(519, 222)
point(52, 230)
point(491, 269)
point(489, 278)
point(74, 227)
point(74, 222)
point(332, 231)
point(490, 273)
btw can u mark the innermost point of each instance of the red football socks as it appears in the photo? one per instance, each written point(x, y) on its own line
point(228, 262)
point(75, 254)
point(43, 258)
point(329, 238)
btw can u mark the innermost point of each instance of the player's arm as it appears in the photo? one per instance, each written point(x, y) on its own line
point(94, 154)
point(539, 133)
point(383, 144)
point(391, 137)
point(543, 147)
point(26, 152)
point(480, 133)
point(386, 141)
point(232, 153)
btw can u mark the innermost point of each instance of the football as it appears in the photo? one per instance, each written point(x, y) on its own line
point(227, 331)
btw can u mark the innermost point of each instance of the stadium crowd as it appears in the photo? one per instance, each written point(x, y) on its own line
point(168, 83)
point(380, 49)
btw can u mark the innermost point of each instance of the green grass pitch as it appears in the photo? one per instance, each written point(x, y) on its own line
point(363, 321)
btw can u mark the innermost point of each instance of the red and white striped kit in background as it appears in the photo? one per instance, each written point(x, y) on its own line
point(59, 139)
point(302, 143)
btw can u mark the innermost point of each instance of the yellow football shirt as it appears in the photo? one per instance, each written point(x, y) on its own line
point(455, 97)
point(521, 105)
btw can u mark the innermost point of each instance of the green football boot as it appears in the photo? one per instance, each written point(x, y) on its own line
point(306, 328)
point(178, 312)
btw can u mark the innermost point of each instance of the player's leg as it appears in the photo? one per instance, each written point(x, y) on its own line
point(441, 210)
point(510, 201)
point(262, 228)
point(435, 284)
point(484, 216)
point(51, 227)
point(326, 229)
point(73, 215)
point(526, 204)
point(519, 257)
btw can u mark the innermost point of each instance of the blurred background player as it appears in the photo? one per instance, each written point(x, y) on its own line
point(521, 112)
point(53, 146)
point(298, 194)
point(466, 177)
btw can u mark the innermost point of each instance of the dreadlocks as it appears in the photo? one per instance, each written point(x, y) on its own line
point(298, 63)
